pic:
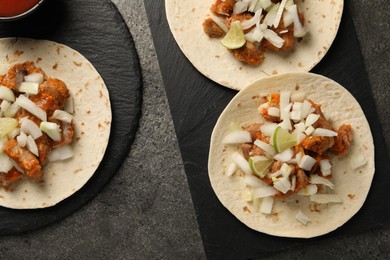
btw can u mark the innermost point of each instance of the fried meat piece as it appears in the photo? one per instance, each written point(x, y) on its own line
point(212, 29)
point(317, 144)
point(248, 54)
point(16, 74)
point(224, 8)
point(343, 140)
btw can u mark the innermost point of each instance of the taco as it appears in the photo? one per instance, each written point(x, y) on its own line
point(197, 28)
point(292, 155)
point(57, 118)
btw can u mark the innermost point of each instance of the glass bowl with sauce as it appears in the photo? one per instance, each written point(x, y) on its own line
point(16, 9)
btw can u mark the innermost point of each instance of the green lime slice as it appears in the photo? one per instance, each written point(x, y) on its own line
point(7, 124)
point(260, 165)
point(234, 38)
point(283, 140)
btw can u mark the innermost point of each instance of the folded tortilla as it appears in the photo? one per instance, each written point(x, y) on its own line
point(185, 18)
point(92, 121)
point(352, 186)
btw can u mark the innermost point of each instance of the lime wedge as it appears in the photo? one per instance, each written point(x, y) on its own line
point(260, 165)
point(234, 38)
point(7, 124)
point(283, 140)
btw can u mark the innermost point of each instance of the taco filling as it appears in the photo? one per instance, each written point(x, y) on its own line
point(35, 123)
point(290, 152)
point(249, 28)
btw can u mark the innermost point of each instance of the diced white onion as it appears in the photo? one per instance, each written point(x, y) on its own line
point(293, 182)
point(5, 163)
point(240, 7)
point(325, 167)
point(307, 162)
point(5, 104)
point(269, 149)
point(263, 192)
point(31, 107)
point(286, 124)
point(62, 153)
point(52, 130)
point(283, 185)
point(273, 38)
point(220, 22)
point(288, 18)
point(311, 119)
point(7, 94)
point(316, 179)
point(279, 13)
point(252, 5)
point(326, 198)
point(69, 105)
point(324, 132)
point(12, 110)
point(237, 137)
point(266, 205)
point(265, 4)
point(306, 108)
point(231, 169)
point(254, 35)
point(295, 115)
point(284, 156)
point(248, 196)
point(22, 139)
point(241, 163)
point(357, 161)
point(309, 130)
point(300, 127)
point(274, 111)
point(298, 96)
point(300, 137)
point(253, 21)
point(34, 77)
point(299, 31)
point(2, 142)
point(284, 102)
point(268, 129)
point(29, 127)
point(31, 88)
point(308, 190)
point(302, 218)
point(62, 116)
point(32, 146)
point(286, 170)
point(254, 182)
point(271, 15)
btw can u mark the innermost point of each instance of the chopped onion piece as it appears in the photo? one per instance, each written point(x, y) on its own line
point(231, 169)
point(324, 132)
point(326, 198)
point(300, 137)
point(308, 190)
point(309, 130)
point(273, 38)
point(295, 115)
point(22, 139)
point(69, 105)
point(5, 104)
point(7, 94)
point(14, 133)
point(357, 161)
point(305, 109)
point(266, 205)
point(271, 15)
point(284, 156)
point(288, 17)
point(316, 179)
point(5, 163)
point(307, 162)
point(286, 170)
point(302, 218)
point(62, 153)
point(263, 106)
point(248, 196)
point(279, 13)
point(31, 107)
point(220, 22)
point(237, 137)
point(293, 182)
point(12, 110)
point(240, 7)
point(254, 182)
point(255, 35)
point(265, 4)
point(297, 106)
point(283, 185)
point(62, 116)
point(274, 111)
point(263, 192)
point(34, 77)
point(241, 163)
point(298, 157)
point(2, 142)
point(29, 127)
point(311, 119)
point(258, 6)
point(299, 31)
point(252, 5)
point(32, 146)
point(269, 149)
point(52, 130)
point(284, 102)
point(325, 167)
point(286, 124)
point(29, 88)
point(300, 127)
point(268, 129)
point(253, 21)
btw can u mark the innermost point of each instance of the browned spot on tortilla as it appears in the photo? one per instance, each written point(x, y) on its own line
point(38, 60)
point(297, 201)
point(78, 64)
point(100, 125)
point(319, 53)
point(325, 48)
point(6, 57)
point(274, 72)
point(55, 66)
point(1, 197)
point(193, 10)
point(49, 197)
point(25, 191)
point(308, 21)
point(59, 49)
point(82, 133)
point(82, 123)
point(300, 64)
point(78, 138)
point(89, 112)
point(107, 122)
point(314, 208)
point(100, 94)
point(77, 171)
point(239, 105)
point(224, 149)
point(240, 68)
point(246, 209)
point(17, 53)
point(351, 196)
point(255, 97)
point(217, 56)
point(23, 198)
point(321, 30)
point(323, 16)
point(297, 87)
point(44, 204)
point(275, 216)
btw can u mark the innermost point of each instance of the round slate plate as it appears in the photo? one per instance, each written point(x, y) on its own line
point(96, 29)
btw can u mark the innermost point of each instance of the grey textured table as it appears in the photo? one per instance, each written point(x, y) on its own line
point(146, 212)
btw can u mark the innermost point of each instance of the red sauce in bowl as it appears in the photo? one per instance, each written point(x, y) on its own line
point(10, 8)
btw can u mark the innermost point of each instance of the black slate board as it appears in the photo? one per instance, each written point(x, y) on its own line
point(95, 29)
point(196, 102)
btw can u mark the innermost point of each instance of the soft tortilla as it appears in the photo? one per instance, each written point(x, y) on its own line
point(185, 18)
point(339, 107)
point(92, 120)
